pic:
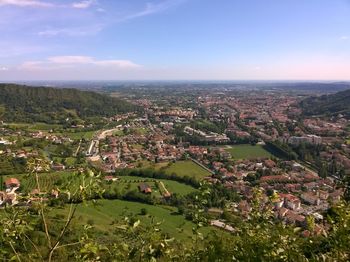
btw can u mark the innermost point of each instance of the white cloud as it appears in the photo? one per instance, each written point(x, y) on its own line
point(25, 3)
point(153, 8)
point(70, 59)
point(79, 31)
point(117, 63)
point(38, 3)
point(83, 4)
point(345, 37)
point(3, 68)
point(58, 62)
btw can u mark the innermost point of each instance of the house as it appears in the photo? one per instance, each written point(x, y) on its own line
point(58, 167)
point(336, 196)
point(323, 194)
point(220, 224)
point(11, 183)
point(310, 198)
point(54, 193)
point(145, 188)
point(8, 198)
point(269, 163)
point(281, 213)
point(311, 185)
point(275, 179)
point(294, 218)
point(278, 203)
point(2, 197)
point(290, 201)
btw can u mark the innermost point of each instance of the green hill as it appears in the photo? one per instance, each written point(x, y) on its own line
point(42, 104)
point(334, 104)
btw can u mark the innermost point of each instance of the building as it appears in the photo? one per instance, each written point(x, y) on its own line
point(145, 188)
point(310, 198)
point(220, 224)
point(11, 183)
point(290, 201)
point(58, 167)
point(308, 139)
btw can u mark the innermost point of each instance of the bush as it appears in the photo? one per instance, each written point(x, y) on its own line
point(143, 211)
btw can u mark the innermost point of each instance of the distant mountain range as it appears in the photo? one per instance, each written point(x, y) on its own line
point(43, 104)
point(334, 104)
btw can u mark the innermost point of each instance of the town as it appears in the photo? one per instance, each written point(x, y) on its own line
point(241, 140)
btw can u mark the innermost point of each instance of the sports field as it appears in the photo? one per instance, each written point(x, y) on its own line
point(248, 152)
point(79, 135)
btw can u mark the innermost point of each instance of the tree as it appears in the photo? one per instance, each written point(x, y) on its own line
point(143, 211)
point(2, 112)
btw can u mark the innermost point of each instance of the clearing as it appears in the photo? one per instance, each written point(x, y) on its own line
point(248, 152)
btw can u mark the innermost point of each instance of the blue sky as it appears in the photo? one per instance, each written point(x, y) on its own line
point(175, 40)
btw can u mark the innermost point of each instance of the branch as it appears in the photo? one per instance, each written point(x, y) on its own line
point(64, 229)
point(45, 223)
point(14, 250)
point(67, 245)
point(35, 247)
point(42, 213)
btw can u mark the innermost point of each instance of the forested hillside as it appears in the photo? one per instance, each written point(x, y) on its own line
point(334, 104)
point(42, 104)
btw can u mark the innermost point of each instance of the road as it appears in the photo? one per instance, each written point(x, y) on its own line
point(203, 166)
point(77, 151)
point(108, 132)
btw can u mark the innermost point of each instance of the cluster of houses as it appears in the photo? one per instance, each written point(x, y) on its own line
point(300, 191)
point(10, 197)
point(56, 139)
point(176, 114)
point(124, 151)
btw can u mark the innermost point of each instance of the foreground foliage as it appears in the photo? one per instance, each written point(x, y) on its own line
point(32, 234)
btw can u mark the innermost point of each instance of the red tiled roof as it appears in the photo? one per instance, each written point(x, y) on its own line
point(11, 181)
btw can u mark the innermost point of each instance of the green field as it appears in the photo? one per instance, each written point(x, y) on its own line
point(47, 181)
point(132, 182)
point(71, 133)
point(118, 133)
point(69, 161)
point(34, 126)
point(142, 131)
point(137, 146)
point(106, 212)
point(126, 183)
point(143, 164)
point(187, 168)
point(79, 135)
point(248, 152)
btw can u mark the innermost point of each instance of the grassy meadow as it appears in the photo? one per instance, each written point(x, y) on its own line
point(104, 213)
point(187, 168)
point(248, 152)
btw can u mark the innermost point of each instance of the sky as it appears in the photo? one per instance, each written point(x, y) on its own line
point(174, 40)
